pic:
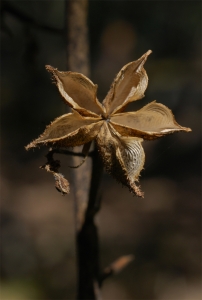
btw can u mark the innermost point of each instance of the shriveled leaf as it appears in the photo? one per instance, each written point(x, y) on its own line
point(152, 121)
point(123, 157)
point(129, 85)
point(78, 91)
point(61, 184)
point(69, 130)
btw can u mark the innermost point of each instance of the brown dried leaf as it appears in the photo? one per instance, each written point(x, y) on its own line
point(129, 85)
point(123, 157)
point(78, 91)
point(61, 183)
point(152, 121)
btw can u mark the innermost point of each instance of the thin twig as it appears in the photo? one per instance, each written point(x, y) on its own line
point(67, 152)
point(88, 242)
point(117, 266)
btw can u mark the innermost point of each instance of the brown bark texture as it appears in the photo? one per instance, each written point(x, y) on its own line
point(86, 178)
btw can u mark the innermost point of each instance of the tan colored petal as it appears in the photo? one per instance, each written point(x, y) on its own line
point(78, 91)
point(123, 157)
point(129, 85)
point(69, 130)
point(152, 121)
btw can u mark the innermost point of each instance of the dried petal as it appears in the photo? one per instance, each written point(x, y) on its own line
point(129, 85)
point(152, 121)
point(69, 130)
point(123, 157)
point(78, 91)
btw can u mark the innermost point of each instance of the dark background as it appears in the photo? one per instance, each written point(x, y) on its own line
point(163, 230)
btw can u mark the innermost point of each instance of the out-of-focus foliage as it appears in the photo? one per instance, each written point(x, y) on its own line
point(37, 225)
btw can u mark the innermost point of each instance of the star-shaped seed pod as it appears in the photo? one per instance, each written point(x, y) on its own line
point(118, 135)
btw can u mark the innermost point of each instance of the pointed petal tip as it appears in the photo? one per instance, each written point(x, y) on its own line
point(145, 55)
point(148, 52)
point(49, 68)
point(30, 145)
point(27, 147)
point(142, 60)
point(187, 129)
point(136, 190)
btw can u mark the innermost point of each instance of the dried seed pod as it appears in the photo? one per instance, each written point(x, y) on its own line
point(118, 135)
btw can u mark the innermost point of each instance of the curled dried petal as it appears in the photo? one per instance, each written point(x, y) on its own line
point(129, 85)
point(152, 121)
point(78, 91)
point(69, 130)
point(123, 157)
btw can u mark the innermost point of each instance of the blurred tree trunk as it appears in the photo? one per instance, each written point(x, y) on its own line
point(86, 178)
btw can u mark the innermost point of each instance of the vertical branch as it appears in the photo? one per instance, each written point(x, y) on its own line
point(77, 36)
point(78, 61)
point(87, 240)
point(85, 183)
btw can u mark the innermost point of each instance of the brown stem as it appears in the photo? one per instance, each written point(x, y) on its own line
point(85, 182)
point(77, 36)
point(78, 61)
point(87, 240)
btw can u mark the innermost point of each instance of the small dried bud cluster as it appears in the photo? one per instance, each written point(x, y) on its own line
point(52, 166)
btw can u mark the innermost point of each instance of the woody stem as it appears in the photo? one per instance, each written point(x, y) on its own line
point(87, 240)
point(86, 182)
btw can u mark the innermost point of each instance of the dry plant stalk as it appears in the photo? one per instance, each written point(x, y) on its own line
point(118, 135)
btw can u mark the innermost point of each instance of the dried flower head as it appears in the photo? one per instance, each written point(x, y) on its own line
point(118, 135)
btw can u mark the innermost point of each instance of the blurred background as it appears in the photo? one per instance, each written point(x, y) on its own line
point(163, 230)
